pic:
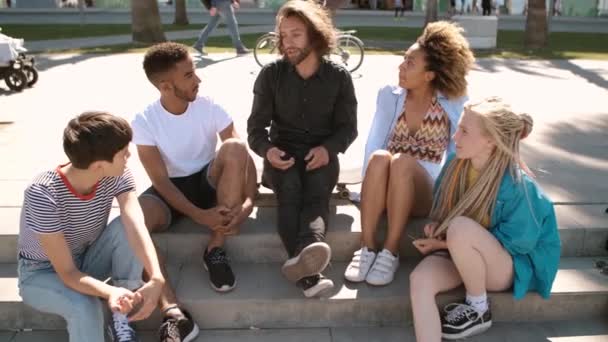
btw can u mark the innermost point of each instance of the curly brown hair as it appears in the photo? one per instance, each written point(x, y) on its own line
point(448, 55)
point(321, 32)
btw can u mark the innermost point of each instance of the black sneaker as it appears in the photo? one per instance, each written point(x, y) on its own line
point(120, 330)
point(314, 285)
point(181, 329)
point(462, 320)
point(242, 51)
point(311, 261)
point(221, 277)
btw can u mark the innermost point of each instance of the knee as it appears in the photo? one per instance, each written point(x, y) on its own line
point(116, 229)
point(233, 150)
point(403, 164)
point(380, 158)
point(421, 283)
point(459, 231)
point(155, 216)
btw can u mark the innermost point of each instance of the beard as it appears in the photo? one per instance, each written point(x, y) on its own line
point(300, 56)
point(183, 94)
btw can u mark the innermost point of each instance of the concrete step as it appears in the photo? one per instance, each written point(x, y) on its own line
point(583, 230)
point(595, 330)
point(264, 299)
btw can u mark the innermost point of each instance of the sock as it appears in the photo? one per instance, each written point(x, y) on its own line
point(480, 303)
point(173, 311)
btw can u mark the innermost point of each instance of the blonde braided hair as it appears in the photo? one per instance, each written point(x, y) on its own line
point(506, 129)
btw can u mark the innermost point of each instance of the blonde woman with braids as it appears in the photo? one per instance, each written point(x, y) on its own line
point(493, 228)
point(407, 144)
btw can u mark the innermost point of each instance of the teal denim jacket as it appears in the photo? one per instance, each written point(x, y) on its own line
point(524, 223)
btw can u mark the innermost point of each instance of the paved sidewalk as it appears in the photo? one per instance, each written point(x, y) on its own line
point(568, 148)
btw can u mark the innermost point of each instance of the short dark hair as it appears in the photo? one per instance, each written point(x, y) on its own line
point(95, 136)
point(162, 57)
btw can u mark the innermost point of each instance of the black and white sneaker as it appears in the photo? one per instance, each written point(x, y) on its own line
point(120, 330)
point(315, 285)
point(181, 329)
point(217, 264)
point(462, 320)
point(311, 261)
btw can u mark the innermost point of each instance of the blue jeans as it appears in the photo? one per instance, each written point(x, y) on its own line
point(109, 256)
point(224, 9)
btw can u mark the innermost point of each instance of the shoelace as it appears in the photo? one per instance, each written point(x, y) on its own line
point(124, 333)
point(169, 330)
point(462, 310)
point(218, 257)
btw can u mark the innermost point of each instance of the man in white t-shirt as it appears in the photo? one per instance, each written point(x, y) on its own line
point(176, 138)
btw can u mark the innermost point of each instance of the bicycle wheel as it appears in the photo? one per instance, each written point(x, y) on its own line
point(266, 50)
point(349, 52)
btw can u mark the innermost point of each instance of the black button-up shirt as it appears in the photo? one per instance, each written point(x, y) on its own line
point(302, 113)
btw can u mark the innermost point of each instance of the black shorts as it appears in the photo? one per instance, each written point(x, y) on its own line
point(196, 187)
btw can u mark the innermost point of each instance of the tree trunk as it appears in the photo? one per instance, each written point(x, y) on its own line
point(145, 22)
point(536, 24)
point(509, 6)
point(181, 16)
point(431, 12)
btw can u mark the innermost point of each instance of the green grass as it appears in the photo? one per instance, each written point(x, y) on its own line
point(510, 43)
point(66, 31)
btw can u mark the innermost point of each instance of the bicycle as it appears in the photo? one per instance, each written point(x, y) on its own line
point(348, 52)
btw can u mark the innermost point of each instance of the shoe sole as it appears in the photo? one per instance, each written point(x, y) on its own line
point(223, 289)
point(379, 284)
point(320, 291)
point(468, 333)
point(193, 334)
point(311, 261)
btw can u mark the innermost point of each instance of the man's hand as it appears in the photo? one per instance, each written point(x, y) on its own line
point(149, 293)
point(212, 11)
point(239, 214)
point(426, 246)
point(122, 300)
point(276, 157)
point(214, 217)
point(316, 158)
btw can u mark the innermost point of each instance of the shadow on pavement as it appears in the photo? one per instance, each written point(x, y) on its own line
point(589, 74)
point(46, 62)
point(204, 61)
point(494, 64)
point(571, 160)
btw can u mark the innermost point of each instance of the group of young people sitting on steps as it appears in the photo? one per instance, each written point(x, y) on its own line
point(429, 153)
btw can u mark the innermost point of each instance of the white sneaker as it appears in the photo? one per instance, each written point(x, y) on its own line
point(358, 268)
point(312, 260)
point(383, 269)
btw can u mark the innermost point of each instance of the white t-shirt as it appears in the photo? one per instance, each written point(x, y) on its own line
point(187, 141)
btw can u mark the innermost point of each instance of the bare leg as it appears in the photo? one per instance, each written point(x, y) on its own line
point(373, 196)
point(233, 173)
point(481, 260)
point(410, 192)
point(156, 220)
point(434, 274)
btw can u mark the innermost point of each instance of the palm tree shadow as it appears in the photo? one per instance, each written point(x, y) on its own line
point(46, 62)
point(204, 61)
point(588, 74)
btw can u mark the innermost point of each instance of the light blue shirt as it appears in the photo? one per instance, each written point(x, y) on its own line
point(389, 105)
